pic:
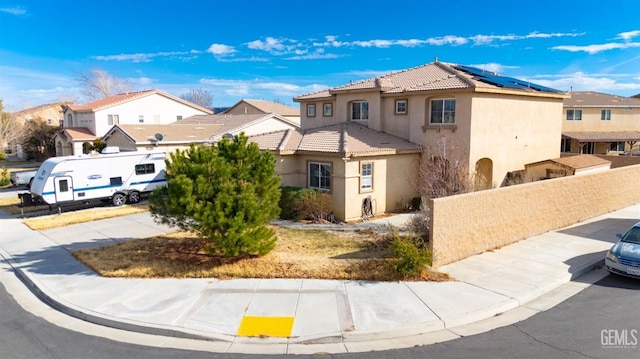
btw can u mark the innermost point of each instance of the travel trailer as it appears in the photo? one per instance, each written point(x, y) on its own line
point(117, 177)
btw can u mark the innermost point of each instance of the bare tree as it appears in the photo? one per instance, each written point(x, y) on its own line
point(444, 169)
point(97, 84)
point(12, 132)
point(200, 97)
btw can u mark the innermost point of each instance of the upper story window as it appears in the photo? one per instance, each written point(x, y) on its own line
point(49, 121)
point(359, 111)
point(574, 115)
point(69, 120)
point(605, 115)
point(311, 110)
point(113, 120)
point(443, 111)
point(179, 118)
point(320, 176)
point(327, 109)
point(401, 107)
point(141, 118)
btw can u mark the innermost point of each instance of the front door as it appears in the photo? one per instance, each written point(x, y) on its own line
point(64, 189)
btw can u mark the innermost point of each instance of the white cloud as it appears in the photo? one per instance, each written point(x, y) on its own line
point(258, 88)
point(493, 67)
point(221, 49)
point(579, 81)
point(627, 36)
point(13, 10)
point(596, 48)
point(141, 57)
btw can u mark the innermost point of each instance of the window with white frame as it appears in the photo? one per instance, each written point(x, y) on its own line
point(366, 176)
point(605, 115)
point(320, 175)
point(617, 147)
point(574, 115)
point(443, 111)
point(69, 121)
point(113, 120)
point(401, 107)
point(49, 121)
point(359, 111)
point(565, 145)
point(141, 118)
point(327, 109)
point(311, 110)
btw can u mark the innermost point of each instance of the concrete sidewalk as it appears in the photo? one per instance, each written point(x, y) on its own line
point(304, 316)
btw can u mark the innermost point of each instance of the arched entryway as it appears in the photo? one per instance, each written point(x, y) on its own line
point(484, 174)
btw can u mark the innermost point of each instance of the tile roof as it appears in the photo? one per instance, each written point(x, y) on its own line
point(77, 133)
point(176, 133)
point(597, 99)
point(428, 77)
point(56, 105)
point(603, 136)
point(582, 161)
point(126, 97)
point(345, 139)
point(273, 107)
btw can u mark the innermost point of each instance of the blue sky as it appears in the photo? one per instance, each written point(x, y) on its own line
point(275, 50)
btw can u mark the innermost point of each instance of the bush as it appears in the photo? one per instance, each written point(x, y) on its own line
point(289, 198)
point(4, 177)
point(411, 254)
point(305, 203)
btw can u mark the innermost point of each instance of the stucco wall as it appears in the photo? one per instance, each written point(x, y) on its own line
point(472, 223)
point(622, 119)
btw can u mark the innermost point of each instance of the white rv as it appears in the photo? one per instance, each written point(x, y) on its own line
point(119, 177)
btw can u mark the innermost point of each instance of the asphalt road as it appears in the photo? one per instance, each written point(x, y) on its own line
point(602, 321)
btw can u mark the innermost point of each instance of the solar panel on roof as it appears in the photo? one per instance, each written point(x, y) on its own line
point(501, 81)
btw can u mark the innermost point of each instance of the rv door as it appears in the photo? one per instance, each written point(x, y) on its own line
point(64, 188)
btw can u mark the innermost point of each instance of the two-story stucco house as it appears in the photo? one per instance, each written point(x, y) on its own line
point(84, 123)
point(362, 140)
point(601, 124)
point(254, 107)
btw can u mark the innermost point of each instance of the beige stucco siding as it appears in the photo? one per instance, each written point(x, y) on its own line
point(513, 131)
point(392, 186)
point(621, 120)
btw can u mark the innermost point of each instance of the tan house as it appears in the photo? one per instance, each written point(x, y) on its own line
point(252, 107)
point(97, 117)
point(499, 123)
point(201, 129)
point(602, 124)
point(50, 113)
point(359, 166)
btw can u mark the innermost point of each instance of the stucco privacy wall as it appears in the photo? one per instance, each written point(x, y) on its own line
point(472, 223)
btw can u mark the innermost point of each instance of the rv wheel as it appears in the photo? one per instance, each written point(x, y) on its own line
point(134, 197)
point(118, 199)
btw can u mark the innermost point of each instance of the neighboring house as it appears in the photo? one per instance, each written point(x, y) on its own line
point(50, 113)
point(143, 107)
point(202, 129)
point(602, 124)
point(249, 107)
point(566, 166)
point(498, 123)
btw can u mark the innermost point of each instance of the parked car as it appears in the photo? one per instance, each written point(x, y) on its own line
point(23, 178)
point(624, 257)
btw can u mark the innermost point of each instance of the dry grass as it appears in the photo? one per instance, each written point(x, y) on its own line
point(65, 219)
point(298, 254)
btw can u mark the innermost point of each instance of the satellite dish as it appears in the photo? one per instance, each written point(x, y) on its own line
point(159, 137)
point(228, 136)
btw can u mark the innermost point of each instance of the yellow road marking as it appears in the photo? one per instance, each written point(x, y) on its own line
point(252, 326)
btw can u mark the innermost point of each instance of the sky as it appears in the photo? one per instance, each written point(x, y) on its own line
point(276, 50)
